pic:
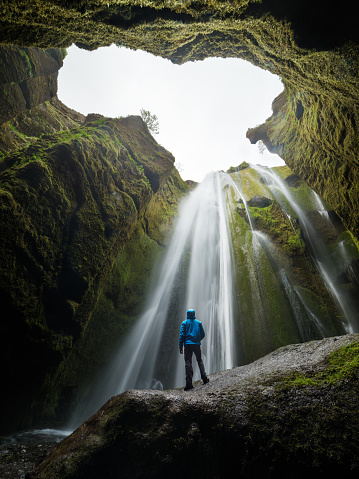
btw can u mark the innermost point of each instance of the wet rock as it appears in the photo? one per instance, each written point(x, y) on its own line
point(293, 180)
point(277, 417)
point(18, 461)
point(259, 201)
point(242, 166)
point(28, 78)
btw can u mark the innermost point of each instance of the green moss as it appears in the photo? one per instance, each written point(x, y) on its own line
point(341, 365)
point(314, 127)
point(277, 286)
point(28, 61)
point(70, 203)
point(234, 169)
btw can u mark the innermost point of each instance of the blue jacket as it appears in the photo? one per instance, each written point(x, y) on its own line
point(191, 332)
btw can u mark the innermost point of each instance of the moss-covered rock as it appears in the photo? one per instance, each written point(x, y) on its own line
point(321, 145)
point(314, 49)
point(121, 300)
point(70, 202)
point(287, 414)
point(28, 77)
point(47, 118)
point(280, 296)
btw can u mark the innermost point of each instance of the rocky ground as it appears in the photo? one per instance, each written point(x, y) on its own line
point(17, 461)
point(21, 453)
point(291, 412)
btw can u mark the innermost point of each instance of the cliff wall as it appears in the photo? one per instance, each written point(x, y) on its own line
point(313, 48)
point(73, 191)
point(296, 277)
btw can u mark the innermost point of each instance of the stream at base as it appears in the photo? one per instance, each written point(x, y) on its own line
point(21, 452)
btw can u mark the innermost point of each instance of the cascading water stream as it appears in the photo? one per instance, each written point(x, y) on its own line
point(219, 264)
point(321, 208)
point(197, 267)
point(326, 266)
point(294, 299)
point(257, 243)
point(209, 283)
point(261, 243)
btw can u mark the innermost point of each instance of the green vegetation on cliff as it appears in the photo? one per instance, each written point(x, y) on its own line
point(280, 294)
point(70, 201)
point(314, 49)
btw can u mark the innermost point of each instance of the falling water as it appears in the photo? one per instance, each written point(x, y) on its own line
point(209, 283)
point(195, 273)
point(326, 265)
point(321, 208)
point(219, 264)
point(270, 325)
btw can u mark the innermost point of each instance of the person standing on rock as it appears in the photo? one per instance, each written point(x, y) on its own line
point(191, 335)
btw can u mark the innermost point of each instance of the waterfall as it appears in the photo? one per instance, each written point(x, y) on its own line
point(196, 273)
point(239, 281)
point(326, 264)
point(321, 207)
point(265, 329)
point(209, 283)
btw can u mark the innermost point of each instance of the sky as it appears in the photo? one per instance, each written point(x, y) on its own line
point(204, 108)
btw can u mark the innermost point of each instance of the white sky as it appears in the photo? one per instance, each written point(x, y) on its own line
point(204, 108)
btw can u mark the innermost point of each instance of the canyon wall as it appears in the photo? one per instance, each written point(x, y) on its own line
point(74, 190)
point(313, 48)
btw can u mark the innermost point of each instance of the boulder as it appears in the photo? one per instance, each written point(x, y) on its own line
point(259, 201)
point(291, 412)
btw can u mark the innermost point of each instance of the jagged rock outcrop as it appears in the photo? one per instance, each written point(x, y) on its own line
point(28, 89)
point(290, 413)
point(321, 143)
point(28, 78)
point(46, 118)
point(73, 191)
point(314, 49)
point(259, 201)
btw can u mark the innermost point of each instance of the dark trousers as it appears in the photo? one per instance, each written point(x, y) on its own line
point(189, 349)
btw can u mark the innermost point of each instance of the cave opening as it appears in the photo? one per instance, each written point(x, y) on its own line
point(204, 107)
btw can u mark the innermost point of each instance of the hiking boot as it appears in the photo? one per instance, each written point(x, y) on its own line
point(188, 387)
point(205, 380)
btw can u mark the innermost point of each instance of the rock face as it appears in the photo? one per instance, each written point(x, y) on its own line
point(31, 79)
point(71, 199)
point(312, 48)
point(259, 201)
point(320, 145)
point(73, 191)
point(287, 414)
point(69, 203)
point(281, 295)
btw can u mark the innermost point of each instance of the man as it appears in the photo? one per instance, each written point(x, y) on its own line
point(191, 334)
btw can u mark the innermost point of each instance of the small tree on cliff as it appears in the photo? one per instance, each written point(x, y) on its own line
point(151, 121)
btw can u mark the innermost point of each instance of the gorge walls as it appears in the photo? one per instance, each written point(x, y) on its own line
point(313, 48)
point(74, 190)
